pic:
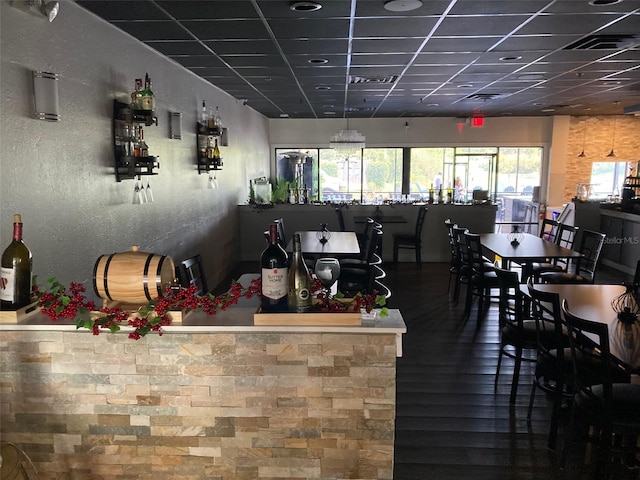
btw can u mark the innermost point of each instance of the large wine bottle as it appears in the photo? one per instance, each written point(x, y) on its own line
point(299, 298)
point(274, 263)
point(15, 271)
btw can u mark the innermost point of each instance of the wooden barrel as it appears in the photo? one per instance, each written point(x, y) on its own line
point(132, 277)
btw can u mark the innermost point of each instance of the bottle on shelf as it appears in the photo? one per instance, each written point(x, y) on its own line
point(217, 119)
point(136, 95)
point(211, 120)
point(15, 271)
point(274, 264)
point(216, 151)
point(431, 193)
point(144, 148)
point(204, 118)
point(136, 142)
point(147, 101)
point(299, 296)
point(208, 152)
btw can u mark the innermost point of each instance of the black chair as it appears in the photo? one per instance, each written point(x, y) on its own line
point(553, 361)
point(517, 331)
point(455, 262)
point(360, 275)
point(364, 234)
point(564, 236)
point(481, 277)
point(340, 215)
point(191, 273)
point(636, 276)
point(586, 266)
point(413, 241)
point(610, 407)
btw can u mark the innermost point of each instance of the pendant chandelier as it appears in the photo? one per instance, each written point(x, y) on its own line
point(611, 154)
point(347, 143)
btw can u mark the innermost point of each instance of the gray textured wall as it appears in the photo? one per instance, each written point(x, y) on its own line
point(59, 176)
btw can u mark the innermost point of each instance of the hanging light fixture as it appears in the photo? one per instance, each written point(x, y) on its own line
point(584, 138)
point(613, 141)
point(347, 143)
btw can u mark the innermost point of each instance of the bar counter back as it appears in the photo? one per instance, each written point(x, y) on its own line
point(215, 397)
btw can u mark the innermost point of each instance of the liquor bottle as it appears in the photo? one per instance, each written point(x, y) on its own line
point(15, 271)
point(431, 194)
point(218, 119)
point(216, 151)
point(148, 101)
point(136, 95)
point(299, 297)
point(211, 120)
point(204, 118)
point(275, 276)
point(136, 142)
point(144, 148)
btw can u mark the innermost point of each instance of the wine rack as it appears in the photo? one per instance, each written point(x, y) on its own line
point(127, 165)
point(204, 134)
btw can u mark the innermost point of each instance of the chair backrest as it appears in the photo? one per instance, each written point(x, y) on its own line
point(454, 248)
point(636, 277)
point(191, 273)
point(474, 252)
point(549, 230)
point(592, 362)
point(465, 256)
point(511, 301)
point(566, 235)
point(282, 238)
point(340, 216)
point(547, 312)
point(366, 232)
point(420, 222)
point(590, 247)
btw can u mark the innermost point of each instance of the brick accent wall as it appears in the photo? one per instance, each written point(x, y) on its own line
point(203, 405)
point(596, 135)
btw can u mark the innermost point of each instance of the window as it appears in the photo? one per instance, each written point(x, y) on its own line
point(377, 174)
point(607, 178)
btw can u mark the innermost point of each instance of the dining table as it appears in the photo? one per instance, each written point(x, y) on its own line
point(593, 302)
point(530, 248)
point(339, 244)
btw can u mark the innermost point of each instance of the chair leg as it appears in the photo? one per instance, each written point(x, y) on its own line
point(495, 382)
point(516, 376)
point(418, 255)
point(555, 416)
point(532, 396)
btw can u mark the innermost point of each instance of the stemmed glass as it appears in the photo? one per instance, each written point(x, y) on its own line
point(137, 196)
point(143, 192)
point(327, 270)
point(213, 182)
point(149, 192)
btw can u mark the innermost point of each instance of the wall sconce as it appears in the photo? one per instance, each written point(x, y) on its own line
point(45, 89)
point(175, 125)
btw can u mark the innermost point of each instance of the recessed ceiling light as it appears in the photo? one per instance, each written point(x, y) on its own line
point(323, 87)
point(599, 3)
point(402, 5)
point(305, 6)
point(284, 115)
point(318, 61)
point(547, 110)
point(433, 104)
point(510, 58)
point(329, 113)
point(465, 85)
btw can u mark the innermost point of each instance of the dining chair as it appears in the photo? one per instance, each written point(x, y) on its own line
point(553, 362)
point(517, 330)
point(360, 276)
point(481, 277)
point(411, 240)
point(586, 266)
point(455, 263)
point(608, 407)
point(191, 273)
point(564, 236)
point(636, 276)
point(364, 234)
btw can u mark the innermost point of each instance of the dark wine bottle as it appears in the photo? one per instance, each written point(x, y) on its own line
point(15, 271)
point(274, 263)
point(299, 298)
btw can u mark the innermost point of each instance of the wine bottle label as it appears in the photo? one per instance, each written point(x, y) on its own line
point(7, 284)
point(304, 294)
point(275, 282)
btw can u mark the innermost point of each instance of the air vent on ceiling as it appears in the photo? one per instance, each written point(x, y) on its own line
point(387, 79)
point(359, 109)
point(601, 42)
point(483, 96)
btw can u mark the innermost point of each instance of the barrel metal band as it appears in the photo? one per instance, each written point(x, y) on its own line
point(106, 277)
point(145, 276)
point(159, 276)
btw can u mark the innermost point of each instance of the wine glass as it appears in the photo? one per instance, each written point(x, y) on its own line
point(149, 192)
point(143, 193)
point(327, 270)
point(137, 197)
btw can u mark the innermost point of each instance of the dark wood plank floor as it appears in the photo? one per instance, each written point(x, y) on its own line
point(450, 423)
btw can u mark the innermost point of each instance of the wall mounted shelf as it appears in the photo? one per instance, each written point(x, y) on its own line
point(206, 138)
point(126, 122)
